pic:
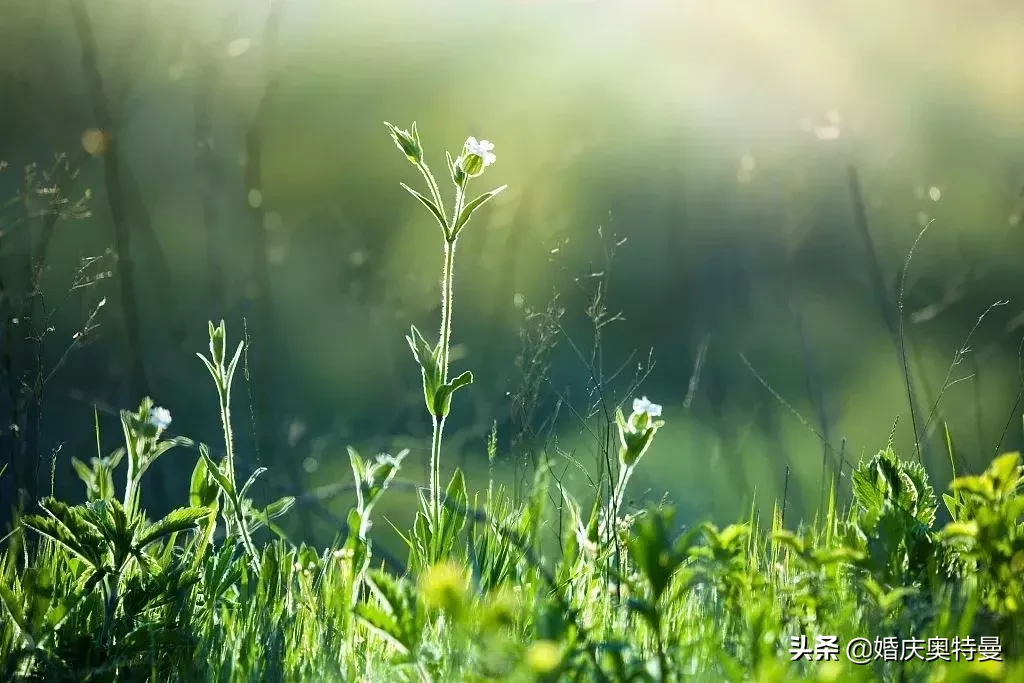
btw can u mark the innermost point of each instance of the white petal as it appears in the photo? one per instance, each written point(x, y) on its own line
point(654, 410)
point(640, 405)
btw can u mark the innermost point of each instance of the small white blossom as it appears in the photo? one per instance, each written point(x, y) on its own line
point(643, 405)
point(388, 459)
point(160, 418)
point(480, 148)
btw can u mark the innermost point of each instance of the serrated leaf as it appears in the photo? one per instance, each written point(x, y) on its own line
point(178, 520)
point(59, 534)
point(382, 623)
point(979, 486)
point(960, 531)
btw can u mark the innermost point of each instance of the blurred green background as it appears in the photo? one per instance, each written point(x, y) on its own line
point(717, 139)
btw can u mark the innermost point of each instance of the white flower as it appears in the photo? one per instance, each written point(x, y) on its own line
point(384, 459)
point(160, 418)
point(481, 148)
point(476, 156)
point(643, 405)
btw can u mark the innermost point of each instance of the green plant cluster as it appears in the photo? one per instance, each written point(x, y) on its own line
point(545, 587)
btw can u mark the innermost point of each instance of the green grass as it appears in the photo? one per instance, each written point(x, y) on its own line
point(91, 594)
point(541, 586)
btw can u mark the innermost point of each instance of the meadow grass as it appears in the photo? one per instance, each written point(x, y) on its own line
point(534, 586)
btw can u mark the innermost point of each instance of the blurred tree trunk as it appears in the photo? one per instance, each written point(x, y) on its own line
point(264, 382)
point(115, 199)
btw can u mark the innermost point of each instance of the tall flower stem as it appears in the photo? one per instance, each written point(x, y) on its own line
point(447, 300)
point(433, 360)
point(229, 454)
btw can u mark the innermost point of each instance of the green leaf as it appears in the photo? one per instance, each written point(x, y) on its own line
point(732, 534)
point(13, 607)
point(960, 531)
point(230, 374)
point(203, 491)
point(951, 505)
point(260, 517)
point(790, 540)
point(215, 471)
point(427, 358)
point(828, 556)
point(86, 474)
point(1003, 472)
point(251, 480)
point(456, 174)
point(979, 486)
point(178, 520)
point(866, 491)
point(431, 207)
point(468, 210)
point(455, 511)
point(382, 623)
point(214, 372)
point(61, 535)
point(443, 396)
point(358, 475)
point(645, 609)
point(279, 507)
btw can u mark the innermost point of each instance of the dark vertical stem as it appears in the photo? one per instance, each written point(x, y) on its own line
point(814, 393)
point(263, 363)
point(206, 171)
point(891, 316)
point(25, 371)
point(115, 198)
point(157, 265)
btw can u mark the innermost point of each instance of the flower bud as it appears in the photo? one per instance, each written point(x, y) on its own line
point(637, 432)
point(471, 164)
point(217, 344)
point(408, 142)
point(476, 156)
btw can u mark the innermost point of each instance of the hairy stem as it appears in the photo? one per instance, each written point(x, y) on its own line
point(229, 454)
point(447, 300)
point(447, 296)
point(435, 468)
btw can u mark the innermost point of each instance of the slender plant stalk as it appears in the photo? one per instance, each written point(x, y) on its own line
point(447, 300)
point(433, 360)
point(223, 379)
